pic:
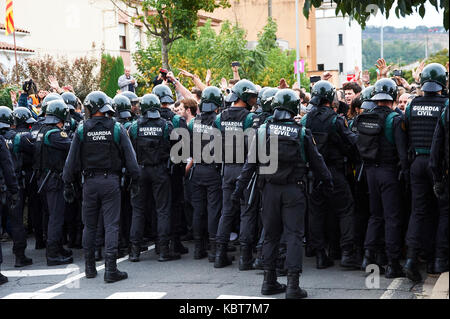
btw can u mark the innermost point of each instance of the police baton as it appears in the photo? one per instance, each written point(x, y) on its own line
point(44, 182)
point(360, 172)
point(32, 176)
point(252, 193)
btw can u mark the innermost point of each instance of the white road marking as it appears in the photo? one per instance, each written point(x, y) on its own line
point(395, 284)
point(137, 295)
point(241, 297)
point(32, 295)
point(77, 277)
point(40, 272)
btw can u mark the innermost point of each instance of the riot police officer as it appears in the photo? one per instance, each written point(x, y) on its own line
point(439, 163)
point(52, 146)
point(21, 148)
point(421, 117)
point(72, 102)
point(134, 99)
point(336, 143)
point(382, 144)
point(122, 106)
point(150, 136)
point(234, 120)
point(101, 147)
point(283, 197)
point(165, 96)
point(206, 184)
point(8, 186)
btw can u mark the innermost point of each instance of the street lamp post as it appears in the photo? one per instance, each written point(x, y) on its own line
point(298, 41)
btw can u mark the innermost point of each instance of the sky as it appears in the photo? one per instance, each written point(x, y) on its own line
point(431, 18)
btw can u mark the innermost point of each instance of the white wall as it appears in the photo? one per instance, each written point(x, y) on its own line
point(329, 52)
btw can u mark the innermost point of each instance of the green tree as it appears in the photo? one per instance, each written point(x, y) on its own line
point(170, 20)
point(360, 10)
point(439, 57)
point(111, 69)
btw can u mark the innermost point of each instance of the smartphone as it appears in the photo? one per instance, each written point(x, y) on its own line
point(235, 64)
point(398, 73)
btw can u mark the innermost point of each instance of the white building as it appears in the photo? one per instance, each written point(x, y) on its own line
point(7, 58)
point(339, 42)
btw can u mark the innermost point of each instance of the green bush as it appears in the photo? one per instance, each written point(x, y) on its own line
point(5, 97)
point(111, 69)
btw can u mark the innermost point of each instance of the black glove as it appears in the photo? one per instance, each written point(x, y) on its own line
point(134, 188)
point(14, 200)
point(69, 193)
point(439, 189)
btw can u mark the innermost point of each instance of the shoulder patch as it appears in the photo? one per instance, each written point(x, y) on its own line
point(63, 134)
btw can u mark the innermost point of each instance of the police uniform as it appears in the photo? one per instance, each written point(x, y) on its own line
point(283, 196)
point(439, 164)
point(382, 144)
point(101, 147)
point(150, 138)
point(336, 143)
point(8, 183)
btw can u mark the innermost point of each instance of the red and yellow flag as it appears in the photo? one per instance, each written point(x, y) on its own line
point(9, 23)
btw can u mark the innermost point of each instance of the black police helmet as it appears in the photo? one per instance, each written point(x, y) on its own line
point(22, 115)
point(164, 93)
point(384, 90)
point(267, 98)
point(122, 106)
point(57, 111)
point(244, 90)
point(150, 106)
point(131, 96)
point(98, 101)
point(366, 96)
point(71, 100)
point(6, 117)
point(322, 91)
point(49, 98)
point(433, 78)
point(260, 94)
point(286, 99)
point(212, 99)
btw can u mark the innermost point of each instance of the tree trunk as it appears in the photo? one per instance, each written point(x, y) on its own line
point(165, 53)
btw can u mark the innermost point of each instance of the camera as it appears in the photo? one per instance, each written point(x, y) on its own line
point(235, 64)
point(164, 73)
point(398, 73)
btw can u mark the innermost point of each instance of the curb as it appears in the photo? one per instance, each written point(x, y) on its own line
point(440, 289)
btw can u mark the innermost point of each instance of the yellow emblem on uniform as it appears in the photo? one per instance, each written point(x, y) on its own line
point(314, 141)
point(64, 134)
point(345, 121)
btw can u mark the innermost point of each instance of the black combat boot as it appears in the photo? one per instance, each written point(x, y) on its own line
point(3, 279)
point(259, 261)
point(178, 247)
point(370, 259)
point(222, 258)
point(270, 284)
point(394, 270)
point(135, 253)
point(200, 249)
point(309, 251)
point(212, 250)
point(89, 264)
point(246, 258)
point(98, 254)
point(381, 258)
point(348, 260)
point(112, 274)
point(293, 290)
point(322, 260)
point(430, 267)
point(54, 257)
point(165, 253)
point(65, 252)
point(359, 255)
point(441, 265)
point(411, 269)
point(22, 260)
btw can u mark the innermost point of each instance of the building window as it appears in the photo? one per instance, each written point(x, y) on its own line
point(123, 36)
point(341, 39)
point(320, 67)
point(341, 67)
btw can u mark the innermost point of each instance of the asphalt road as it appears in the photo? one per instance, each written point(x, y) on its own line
point(184, 279)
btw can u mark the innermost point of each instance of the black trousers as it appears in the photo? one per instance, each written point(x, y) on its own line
point(424, 215)
point(362, 208)
point(249, 218)
point(126, 213)
point(177, 208)
point(340, 205)
point(385, 211)
point(154, 184)
point(284, 208)
point(56, 204)
point(206, 190)
point(442, 249)
point(101, 195)
point(231, 173)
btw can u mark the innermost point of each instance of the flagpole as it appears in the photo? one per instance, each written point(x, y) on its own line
point(15, 55)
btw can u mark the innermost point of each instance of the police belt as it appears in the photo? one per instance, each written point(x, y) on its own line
point(99, 172)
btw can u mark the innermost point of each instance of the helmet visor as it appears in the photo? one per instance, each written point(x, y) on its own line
point(382, 97)
point(368, 105)
point(167, 99)
point(125, 114)
point(106, 109)
point(50, 119)
point(153, 114)
point(30, 121)
point(431, 87)
point(208, 107)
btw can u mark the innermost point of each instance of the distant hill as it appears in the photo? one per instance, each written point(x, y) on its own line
point(402, 45)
